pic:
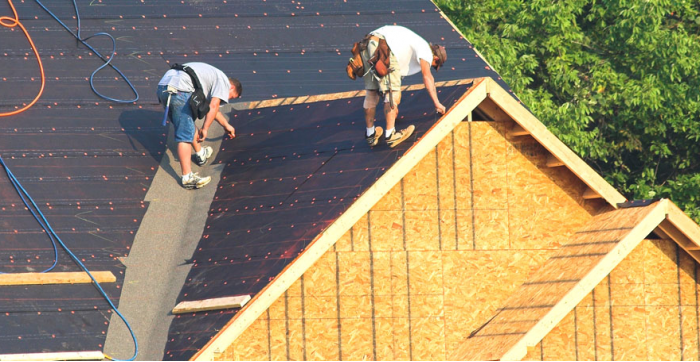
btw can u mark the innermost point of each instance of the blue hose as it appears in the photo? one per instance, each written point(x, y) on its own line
point(41, 219)
point(107, 61)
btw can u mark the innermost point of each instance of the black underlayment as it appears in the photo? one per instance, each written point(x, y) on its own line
point(89, 162)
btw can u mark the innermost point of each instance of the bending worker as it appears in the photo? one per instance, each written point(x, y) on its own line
point(174, 90)
point(408, 54)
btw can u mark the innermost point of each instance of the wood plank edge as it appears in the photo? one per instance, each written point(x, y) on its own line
point(56, 278)
point(55, 356)
point(238, 301)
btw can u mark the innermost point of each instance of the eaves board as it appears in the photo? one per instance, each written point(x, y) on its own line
point(260, 239)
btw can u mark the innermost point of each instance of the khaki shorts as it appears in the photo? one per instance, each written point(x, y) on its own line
point(390, 81)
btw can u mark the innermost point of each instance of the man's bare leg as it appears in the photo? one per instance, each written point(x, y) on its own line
point(184, 153)
point(390, 115)
point(369, 116)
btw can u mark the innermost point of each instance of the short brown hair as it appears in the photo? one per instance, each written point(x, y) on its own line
point(236, 83)
point(440, 52)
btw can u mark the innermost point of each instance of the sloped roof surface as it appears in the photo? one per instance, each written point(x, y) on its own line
point(297, 169)
point(90, 161)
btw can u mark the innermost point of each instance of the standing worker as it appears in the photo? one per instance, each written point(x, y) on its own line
point(382, 58)
point(175, 91)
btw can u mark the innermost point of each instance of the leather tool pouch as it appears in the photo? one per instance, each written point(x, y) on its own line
point(381, 59)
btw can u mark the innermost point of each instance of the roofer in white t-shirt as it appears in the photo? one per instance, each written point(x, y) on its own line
point(174, 92)
point(382, 58)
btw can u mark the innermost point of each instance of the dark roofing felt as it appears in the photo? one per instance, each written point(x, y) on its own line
point(90, 161)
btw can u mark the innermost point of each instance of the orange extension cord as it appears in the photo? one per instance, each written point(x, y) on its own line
point(9, 22)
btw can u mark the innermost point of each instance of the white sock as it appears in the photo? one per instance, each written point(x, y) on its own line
point(187, 177)
point(388, 132)
point(202, 153)
point(370, 131)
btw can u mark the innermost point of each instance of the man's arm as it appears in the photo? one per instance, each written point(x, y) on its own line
point(213, 110)
point(429, 82)
point(227, 126)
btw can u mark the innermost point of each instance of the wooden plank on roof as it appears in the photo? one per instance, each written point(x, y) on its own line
point(56, 278)
point(55, 356)
point(538, 131)
point(561, 283)
point(211, 304)
point(241, 106)
point(263, 299)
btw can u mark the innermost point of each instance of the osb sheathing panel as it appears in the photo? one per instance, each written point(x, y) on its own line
point(534, 353)
point(560, 343)
point(431, 261)
point(531, 197)
point(489, 165)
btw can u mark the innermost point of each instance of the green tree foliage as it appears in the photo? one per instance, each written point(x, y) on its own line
point(616, 80)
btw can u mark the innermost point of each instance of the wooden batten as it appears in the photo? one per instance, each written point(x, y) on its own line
point(552, 161)
point(242, 106)
point(538, 131)
point(238, 301)
point(55, 356)
point(56, 278)
point(590, 194)
point(324, 241)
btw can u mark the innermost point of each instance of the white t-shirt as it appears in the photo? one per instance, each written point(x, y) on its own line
point(214, 82)
point(408, 47)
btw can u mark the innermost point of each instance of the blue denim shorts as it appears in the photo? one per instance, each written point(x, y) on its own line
point(180, 113)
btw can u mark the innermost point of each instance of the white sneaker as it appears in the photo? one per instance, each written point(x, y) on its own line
point(400, 136)
point(195, 181)
point(201, 161)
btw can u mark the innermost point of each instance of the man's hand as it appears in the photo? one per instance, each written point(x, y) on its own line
point(230, 131)
point(440, 108)
point(202, 135)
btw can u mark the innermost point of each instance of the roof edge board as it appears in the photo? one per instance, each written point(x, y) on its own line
point(326, 239)
point(55, 356)
point(548, 140)
point(588, 282)
point(684, 223)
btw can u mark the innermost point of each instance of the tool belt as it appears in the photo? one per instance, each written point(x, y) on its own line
point(381, 59)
